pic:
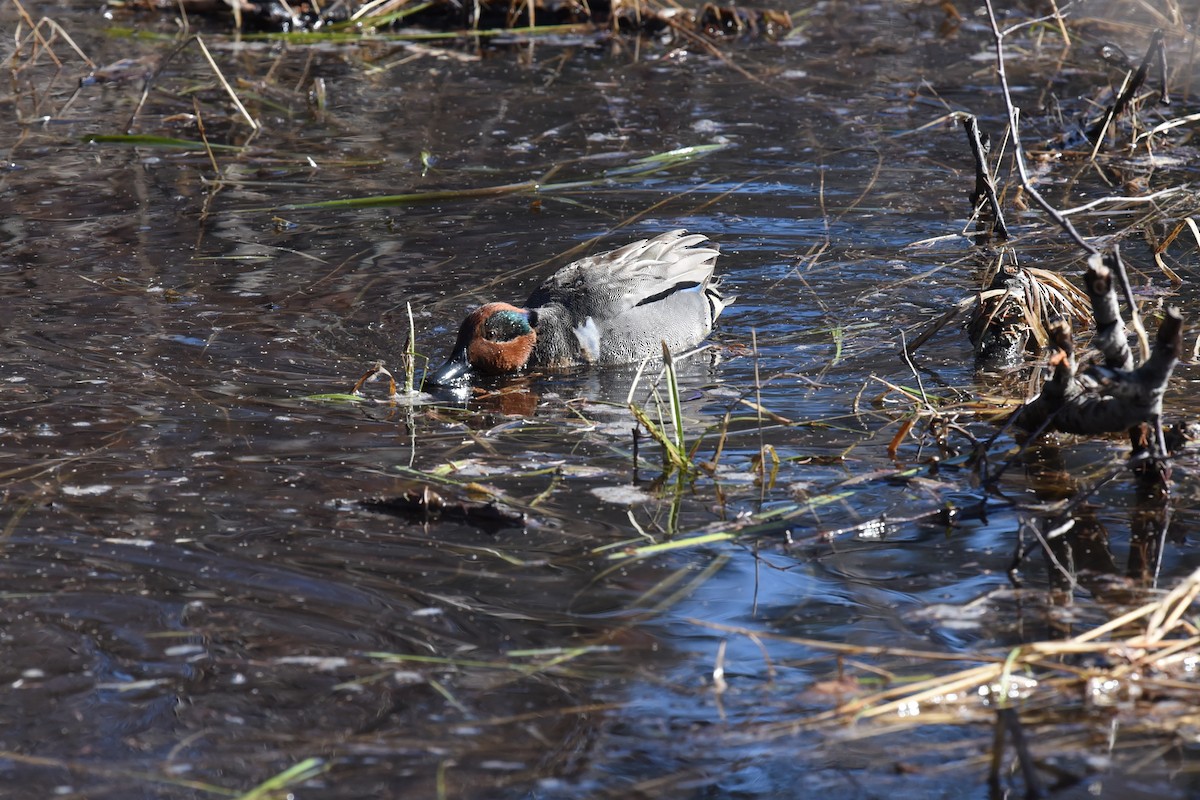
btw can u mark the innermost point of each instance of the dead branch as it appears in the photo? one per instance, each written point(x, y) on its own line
point(1009, 722)
point(1096, 132)
point(1113, 397)
point(1110, 337)
point(1102, 399)
point(984, 186)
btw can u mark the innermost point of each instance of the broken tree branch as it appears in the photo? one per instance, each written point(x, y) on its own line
point(1110, 337)
point(1102, 399)
point(985, 187)
point(1096, 132)
point(1114, 397)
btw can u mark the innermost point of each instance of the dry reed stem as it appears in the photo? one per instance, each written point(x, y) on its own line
point(898, 707)
point(35, 33)
point(228, 89)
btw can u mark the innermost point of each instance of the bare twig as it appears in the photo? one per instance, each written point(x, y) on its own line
point(1018, 152)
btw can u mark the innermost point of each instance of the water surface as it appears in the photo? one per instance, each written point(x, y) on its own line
point(197, 598)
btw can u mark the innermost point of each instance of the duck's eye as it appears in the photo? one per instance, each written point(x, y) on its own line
point(504, 326)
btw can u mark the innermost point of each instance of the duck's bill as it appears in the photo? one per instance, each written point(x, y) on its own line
point(454, 374)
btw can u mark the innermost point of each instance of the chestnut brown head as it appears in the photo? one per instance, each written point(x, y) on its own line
point(495, 339)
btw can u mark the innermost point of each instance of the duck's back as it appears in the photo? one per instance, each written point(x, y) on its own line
point(618, 307)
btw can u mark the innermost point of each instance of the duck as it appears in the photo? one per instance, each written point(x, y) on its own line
point(616, 307)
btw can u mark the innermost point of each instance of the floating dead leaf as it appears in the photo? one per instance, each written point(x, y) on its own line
point(127, 69)
point(377, 372)
point(426, 505)
point(836, 691)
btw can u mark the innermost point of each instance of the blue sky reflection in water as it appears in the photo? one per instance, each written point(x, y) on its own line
point(197, 601)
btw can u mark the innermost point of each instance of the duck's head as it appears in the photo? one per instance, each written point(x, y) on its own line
point(496, 339)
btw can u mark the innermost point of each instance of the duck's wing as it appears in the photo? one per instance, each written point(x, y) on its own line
point(620, 305)
point(645, 272)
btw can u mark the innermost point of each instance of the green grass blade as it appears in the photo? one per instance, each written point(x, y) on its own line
point(334, 397)
point(640, 168)
point(308, 768)
point(380, 21)
point(376, 201)
point(676, 404)
point(146, 140)
point(677, 544)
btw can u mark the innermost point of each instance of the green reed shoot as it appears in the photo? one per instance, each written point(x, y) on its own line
point(295, 775)
point(636, 170)
point(676, 406)
point(410, 353)
point(675, 450)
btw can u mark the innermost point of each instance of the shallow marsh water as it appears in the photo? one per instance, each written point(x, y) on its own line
point(196, 598)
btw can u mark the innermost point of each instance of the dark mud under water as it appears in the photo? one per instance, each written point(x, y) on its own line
point(195, 599)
